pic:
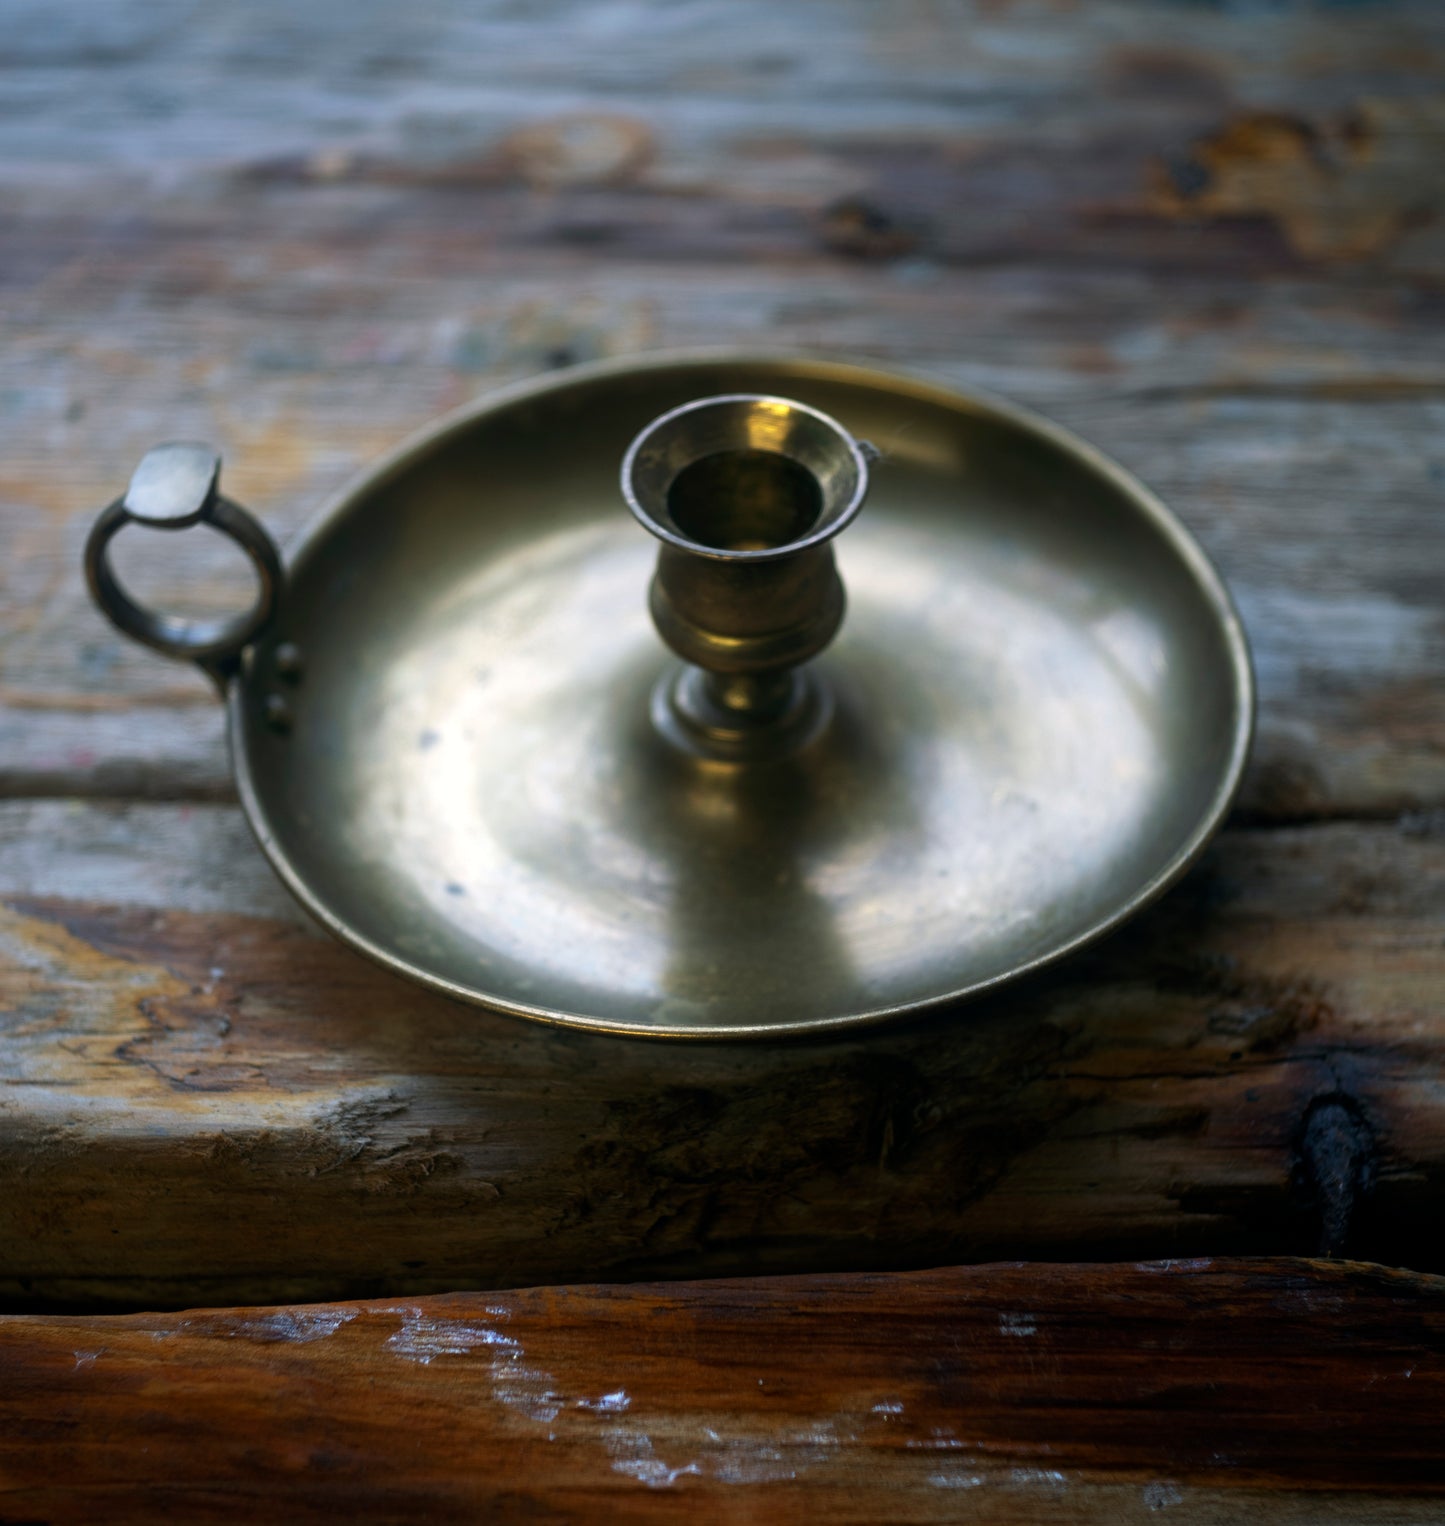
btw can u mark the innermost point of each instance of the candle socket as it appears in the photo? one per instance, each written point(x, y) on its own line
point(746, 494)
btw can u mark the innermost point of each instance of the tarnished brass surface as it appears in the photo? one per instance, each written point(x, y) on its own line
point(1042, 707)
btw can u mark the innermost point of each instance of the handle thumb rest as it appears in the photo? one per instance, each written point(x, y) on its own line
point(176, 486)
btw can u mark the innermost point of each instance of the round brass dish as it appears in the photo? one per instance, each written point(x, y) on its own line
point(1040, 705)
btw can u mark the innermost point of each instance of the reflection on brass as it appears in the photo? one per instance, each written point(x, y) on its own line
point(488, 773)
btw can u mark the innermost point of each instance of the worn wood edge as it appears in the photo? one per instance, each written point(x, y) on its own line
point(1306, 1389)
point(1254, 1066)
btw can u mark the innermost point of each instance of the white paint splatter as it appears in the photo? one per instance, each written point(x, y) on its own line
point(1161, 1496)
point(747, 1460)
point(422, 1339)
point(1049, 1476)
point(940, 1440)
point(293, 1325)
point(729, 1459)
point(1017, 1324)
point(955, 1480)
point(515, 1382)
point(775, 1456)
point(634, 1456)
point(748, 1463)
point(527, 1389)
point(655, 1474)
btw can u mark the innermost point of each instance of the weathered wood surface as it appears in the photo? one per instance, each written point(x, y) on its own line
point(1208, 237)
point(207, 1102)
point(1288, 1391)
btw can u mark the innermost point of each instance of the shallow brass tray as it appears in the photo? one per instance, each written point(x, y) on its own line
point(442, 737)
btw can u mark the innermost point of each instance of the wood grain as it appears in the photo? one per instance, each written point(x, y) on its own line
point(998, 1394)
point(206, 1102)
point(1208, 239)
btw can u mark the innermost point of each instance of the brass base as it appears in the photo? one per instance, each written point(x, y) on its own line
point(1034, 716)
point(690, 709)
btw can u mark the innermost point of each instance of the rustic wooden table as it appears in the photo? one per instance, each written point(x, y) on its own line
point(1207, 238)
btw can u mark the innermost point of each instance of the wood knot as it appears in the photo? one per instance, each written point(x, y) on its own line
point(1336, 1166)
point(857, 228)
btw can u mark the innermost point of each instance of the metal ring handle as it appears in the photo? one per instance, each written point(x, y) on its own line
point(174, 487)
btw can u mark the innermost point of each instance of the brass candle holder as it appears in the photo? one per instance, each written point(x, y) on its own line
point(746, 494)
point(464, 749)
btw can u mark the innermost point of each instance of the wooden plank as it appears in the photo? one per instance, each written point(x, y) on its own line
point(1292, 1391)
point(1205, 239)
point(1256, 1065)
